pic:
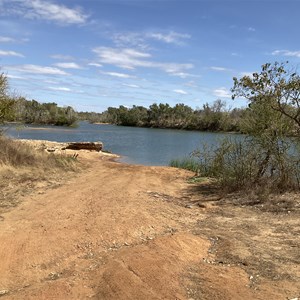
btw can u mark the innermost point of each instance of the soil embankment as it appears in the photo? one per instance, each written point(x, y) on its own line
point(120, 231)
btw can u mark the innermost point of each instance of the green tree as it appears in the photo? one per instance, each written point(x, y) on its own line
point(6, 103)
point(267, 159)
point(273, 114)
point(275, 88)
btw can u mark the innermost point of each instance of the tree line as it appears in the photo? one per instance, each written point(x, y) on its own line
point(19, 109)
point(33, 112)
point(211, 117)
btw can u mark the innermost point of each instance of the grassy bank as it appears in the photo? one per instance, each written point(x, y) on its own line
point(186, 163)
point(24, 169)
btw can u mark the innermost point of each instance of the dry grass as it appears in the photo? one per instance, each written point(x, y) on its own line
point(17, 154)
point(23, 170)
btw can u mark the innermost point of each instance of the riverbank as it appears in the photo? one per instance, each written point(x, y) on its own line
point(118, 231)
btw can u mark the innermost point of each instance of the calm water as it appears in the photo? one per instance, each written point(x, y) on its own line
point(145, 146)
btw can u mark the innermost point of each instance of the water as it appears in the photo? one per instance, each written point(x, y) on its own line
point(146, 146)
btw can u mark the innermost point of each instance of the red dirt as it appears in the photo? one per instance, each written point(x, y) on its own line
point(120, 231)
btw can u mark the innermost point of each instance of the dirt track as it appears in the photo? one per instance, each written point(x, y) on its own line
point(131, 232)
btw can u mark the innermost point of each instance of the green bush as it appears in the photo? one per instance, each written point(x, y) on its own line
point(246, 164)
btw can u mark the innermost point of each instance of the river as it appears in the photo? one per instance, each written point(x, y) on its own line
point(146, 146)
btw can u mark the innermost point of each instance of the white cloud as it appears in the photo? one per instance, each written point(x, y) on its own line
point(6, 39)
point(251, 29)
point(69, 65)
point(35, 69)
point(286, 53)
point(131, 85)
point(181, 92)
point(130, 59)
point(14, 77)
point(60, 89)
point(222, 92)
point(61, 56)
point(125, 58)
point(126, 39)
point(183, 74)
point(10, 53)
point(173, 68)
point(139, 39)
point(119, 75)
point(95, 65)
point(218, 69)
point(43, 10)
point(50, 81)
point(170, 38)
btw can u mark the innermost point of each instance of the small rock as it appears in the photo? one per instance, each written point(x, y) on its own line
point(53, 276)
point(3, 292)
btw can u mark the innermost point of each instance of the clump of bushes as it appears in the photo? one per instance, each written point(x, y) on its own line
point(245, 164)
point(268, 158)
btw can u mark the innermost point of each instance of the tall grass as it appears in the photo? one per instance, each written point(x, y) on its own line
point(187, 163)
point(24, 169)
point(17, 154)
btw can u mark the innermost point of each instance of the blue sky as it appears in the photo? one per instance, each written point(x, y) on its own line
point(92, 54)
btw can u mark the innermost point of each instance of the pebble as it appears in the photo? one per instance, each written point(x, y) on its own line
point(53, 276)
point(3, 292)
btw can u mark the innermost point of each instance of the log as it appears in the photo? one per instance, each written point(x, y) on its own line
point(92, 146)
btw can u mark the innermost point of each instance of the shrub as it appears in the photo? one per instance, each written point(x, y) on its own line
point(245, 164)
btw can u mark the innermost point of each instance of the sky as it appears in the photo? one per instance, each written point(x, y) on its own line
point(93, 54)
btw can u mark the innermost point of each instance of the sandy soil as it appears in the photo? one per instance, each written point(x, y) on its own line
point(118, 231)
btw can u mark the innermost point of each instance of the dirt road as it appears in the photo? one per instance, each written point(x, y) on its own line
point(119, 231)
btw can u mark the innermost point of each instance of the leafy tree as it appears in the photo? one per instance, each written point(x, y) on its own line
point(6, 103)
point(274, 88)
point(267, 159)
point(273, 114)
